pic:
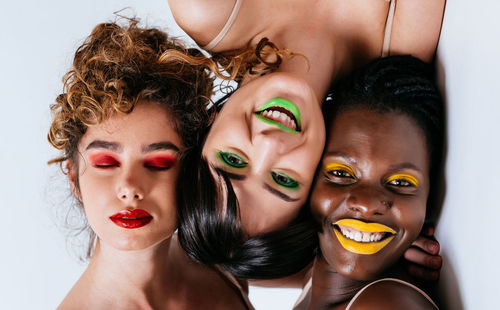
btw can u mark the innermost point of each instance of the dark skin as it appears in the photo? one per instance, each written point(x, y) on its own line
point(376, 170)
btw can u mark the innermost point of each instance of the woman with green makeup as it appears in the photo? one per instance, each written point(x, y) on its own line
point(263, 160)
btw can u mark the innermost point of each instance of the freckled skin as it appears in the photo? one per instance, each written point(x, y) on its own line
point(377, 143)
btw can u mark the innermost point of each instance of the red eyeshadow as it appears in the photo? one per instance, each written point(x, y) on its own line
point(103, 160)
point(160, 161)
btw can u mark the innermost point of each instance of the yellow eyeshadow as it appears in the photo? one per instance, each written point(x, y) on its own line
point(339, 166)
point(403, 176)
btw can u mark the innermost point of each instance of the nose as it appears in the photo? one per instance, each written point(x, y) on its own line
point(267, 135)
point(369, 201)
point(129, 188)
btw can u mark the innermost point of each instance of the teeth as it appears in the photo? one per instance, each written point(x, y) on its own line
point(359, 236)
point(366, 237)
point(280, 117)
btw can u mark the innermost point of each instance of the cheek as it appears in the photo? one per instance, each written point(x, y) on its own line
point(412, 217)
point(325, 200)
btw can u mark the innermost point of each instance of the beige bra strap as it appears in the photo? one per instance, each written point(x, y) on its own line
point(386, 44)
point(393, 280)
point(226, 275)
point(226, 27)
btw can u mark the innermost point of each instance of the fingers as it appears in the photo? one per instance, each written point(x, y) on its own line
point(428, 230)
point(428, 245)
point(423, 259)
point(423, 273)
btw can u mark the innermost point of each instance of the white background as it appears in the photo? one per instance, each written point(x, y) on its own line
point(37, 42)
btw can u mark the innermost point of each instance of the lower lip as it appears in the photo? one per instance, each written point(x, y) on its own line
point(131, 223)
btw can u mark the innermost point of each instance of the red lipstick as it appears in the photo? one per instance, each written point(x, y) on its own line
point(131, 219)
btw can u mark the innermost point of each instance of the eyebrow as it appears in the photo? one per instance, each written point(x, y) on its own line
point(241, 177)
point(405, 166)
point(99, 144)
point(279, 194)
point(341, 154)
point(233, 176)
point(116, 147)
point(159, 146)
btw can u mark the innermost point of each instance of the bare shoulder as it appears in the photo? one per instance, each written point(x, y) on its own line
point(391, 295)
point(202, 20)
point(416, 27)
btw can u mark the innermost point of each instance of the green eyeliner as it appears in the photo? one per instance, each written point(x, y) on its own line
point(229, 158)
point(277, 177)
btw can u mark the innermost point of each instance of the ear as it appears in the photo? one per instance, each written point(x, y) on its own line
point(72, 173)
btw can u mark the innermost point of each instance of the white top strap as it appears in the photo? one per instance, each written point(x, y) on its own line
point(226, 27)
point(394, 280)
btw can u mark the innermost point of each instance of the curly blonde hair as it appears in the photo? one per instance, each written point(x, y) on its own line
point(118, 66)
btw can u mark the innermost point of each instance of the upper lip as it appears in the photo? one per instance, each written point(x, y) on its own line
point(131, 214)
point(364, 226)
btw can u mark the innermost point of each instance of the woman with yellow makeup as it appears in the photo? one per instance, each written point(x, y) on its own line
point(370, 197)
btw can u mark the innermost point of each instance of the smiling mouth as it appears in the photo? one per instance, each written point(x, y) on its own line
point(362, 238)
point(282, 113)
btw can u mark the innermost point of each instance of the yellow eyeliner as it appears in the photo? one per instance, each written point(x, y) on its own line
point(403, 176)
point(339, 166)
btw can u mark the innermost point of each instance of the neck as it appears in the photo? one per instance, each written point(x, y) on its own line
point(329, 287)
point(136, 277)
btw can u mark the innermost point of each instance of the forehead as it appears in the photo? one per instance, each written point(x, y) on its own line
point(390, 135)
point(149, 122)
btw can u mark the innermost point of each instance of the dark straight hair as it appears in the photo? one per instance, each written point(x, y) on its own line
point(210, 229)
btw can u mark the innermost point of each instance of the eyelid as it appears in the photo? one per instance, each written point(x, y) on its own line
point(337, 165)
point(103, 160)
point(403, 176)
point(293, 185)
point(220, 156)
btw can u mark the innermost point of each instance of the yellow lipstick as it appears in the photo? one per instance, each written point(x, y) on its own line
point(362, 238)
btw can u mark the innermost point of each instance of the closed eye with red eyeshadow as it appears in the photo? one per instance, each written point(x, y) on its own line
point(160, 162)
point(104, 161)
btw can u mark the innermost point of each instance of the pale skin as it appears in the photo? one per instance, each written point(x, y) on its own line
point(335, 37)
point(121, 168)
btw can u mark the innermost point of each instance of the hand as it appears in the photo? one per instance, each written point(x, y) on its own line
point(423, 256)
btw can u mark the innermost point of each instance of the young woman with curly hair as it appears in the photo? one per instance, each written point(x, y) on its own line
point(128, 124)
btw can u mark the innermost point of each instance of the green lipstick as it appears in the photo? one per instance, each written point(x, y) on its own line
point(284, 107)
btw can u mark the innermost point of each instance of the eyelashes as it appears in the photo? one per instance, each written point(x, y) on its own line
point(339, 170)
point(108, 161)
point(232, 160)
point(104, 161)
point(284, 180)
point(340, 173)
point(402, 180)
point(160, 162)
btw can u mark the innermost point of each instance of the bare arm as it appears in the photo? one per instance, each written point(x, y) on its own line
point(416, 28)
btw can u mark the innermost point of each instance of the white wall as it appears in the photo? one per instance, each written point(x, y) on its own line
point(37, 42)
point(469, 62)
